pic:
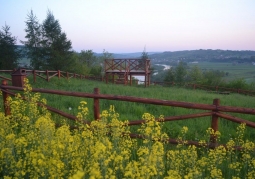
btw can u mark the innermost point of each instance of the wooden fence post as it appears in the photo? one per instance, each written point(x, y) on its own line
point(67, 75)
point(96, 105)
point(7, 109)
point(58, 74)
point(214, 124)
point(47, 73)
point(34, 75)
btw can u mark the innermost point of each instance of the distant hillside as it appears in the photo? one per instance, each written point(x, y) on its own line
point(129, 55)
point(205, 55)
point(187, 55)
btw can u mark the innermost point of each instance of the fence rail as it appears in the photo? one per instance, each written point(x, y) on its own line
point(48, 74)
point(215, 110)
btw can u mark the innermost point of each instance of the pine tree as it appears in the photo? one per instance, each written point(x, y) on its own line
point(57, 48)
point(9, 54)
point(144, 57)
point(34, 41)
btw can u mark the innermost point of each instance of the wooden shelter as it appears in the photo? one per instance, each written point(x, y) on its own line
point(122, 70)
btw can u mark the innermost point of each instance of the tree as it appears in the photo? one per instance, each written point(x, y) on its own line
point(107, 55)
point(195, 75)
point(170, 75)
point(97, 69)
point(88, 58)
point(213, 77)
point(57, 49)
point(180, 72)
point(9, 55)
point(34, 41)
point(85, 62)
point(144, 57)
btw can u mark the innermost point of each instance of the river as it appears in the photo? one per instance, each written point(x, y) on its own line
point(142, 78)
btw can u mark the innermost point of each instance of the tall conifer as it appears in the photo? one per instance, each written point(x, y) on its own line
point(9, 54)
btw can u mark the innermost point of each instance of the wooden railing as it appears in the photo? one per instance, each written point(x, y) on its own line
point(48, 74)
point(215, 110)
point(126, 65)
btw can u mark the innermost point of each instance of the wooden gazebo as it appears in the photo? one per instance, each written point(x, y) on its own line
point(124, 69)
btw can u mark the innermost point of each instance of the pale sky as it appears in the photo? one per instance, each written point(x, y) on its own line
point(123, 26)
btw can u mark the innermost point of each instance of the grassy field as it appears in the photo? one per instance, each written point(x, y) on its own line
point(134, 111)
point(238, 70)
point(34, 148)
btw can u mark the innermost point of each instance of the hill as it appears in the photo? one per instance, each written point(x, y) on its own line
point(205, 55)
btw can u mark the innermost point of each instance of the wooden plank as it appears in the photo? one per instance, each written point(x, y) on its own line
point(173, 118)
point(41, 76)
point(53, 75)
point(5, 78)
point(236, 119)
point(143, 100)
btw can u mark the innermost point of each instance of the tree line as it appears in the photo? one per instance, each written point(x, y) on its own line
point(182, 73)
point(47, 47)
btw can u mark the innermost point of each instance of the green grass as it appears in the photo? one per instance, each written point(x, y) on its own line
point(243, 70)
point(134, 111)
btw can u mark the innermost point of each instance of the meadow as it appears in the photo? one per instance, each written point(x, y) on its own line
point(32, 147)
point(233, 70)
point(134, 111)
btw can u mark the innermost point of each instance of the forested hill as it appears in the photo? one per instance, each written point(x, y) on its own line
point(205, 55)
point(189, 55)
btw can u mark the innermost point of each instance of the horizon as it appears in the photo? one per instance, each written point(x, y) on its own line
point(132, 26)
point(161, 51)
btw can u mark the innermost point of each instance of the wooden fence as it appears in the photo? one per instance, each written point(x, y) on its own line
point(215, 110)
point(48, 74)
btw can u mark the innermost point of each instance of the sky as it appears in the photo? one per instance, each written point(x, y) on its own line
point(126, 26)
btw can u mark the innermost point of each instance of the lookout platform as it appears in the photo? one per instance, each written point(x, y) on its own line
point(121, 70)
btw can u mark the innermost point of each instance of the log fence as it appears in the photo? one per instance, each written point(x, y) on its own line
point(48, 74)
point(215, 110)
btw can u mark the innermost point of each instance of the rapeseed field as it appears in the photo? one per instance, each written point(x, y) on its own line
point(31, 146)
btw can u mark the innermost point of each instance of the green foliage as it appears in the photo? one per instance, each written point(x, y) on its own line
point(221, 56)
point(57, 48)
point(96, 71)
point(78, 67)
point(34, 42)
point(180, 72)
point(9, 55)
point(88, 58)
point(195, 75)
point(213, 77)
point(170, 75)
point(144, 55)
point(106, 55)
point(238, 84)
point(134, 111)
point(48, 47)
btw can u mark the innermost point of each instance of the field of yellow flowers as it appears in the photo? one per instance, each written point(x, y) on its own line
point(32, 147)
